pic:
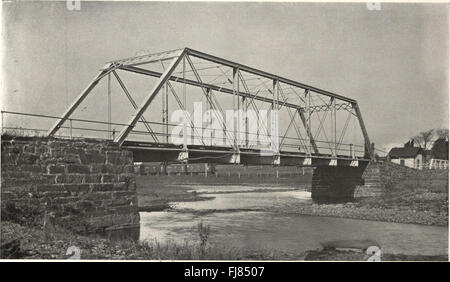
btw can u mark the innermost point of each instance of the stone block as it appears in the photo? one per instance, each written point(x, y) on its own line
point(54, 169)
point(16, 174)
point(27, 158)
point(121, 186)
point(120, 194)
point(109, 178)
point(121, 202)
point(86, 206)
point(69, 178)
point(105, 168)
point(77, 188)
point(98, 196)
point(69, 159)
point(54, 194)
point(92, 178)
point(113, 157)
point(78, 168)
point(12, 149)
point(50, 187)
point(28, 148)
point(31, 168)
point(65, 199)
point(93, 157)
point(96, 187)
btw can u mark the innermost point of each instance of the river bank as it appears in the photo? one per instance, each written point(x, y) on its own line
point(25, 242)
point(338, 255)
point(404, 204)
point(356, 211)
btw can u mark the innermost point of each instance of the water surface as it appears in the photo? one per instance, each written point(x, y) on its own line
point(239, 219)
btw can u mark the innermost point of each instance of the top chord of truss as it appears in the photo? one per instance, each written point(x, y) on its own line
point(147, 58)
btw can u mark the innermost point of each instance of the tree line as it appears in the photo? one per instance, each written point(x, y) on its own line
point(426, 138)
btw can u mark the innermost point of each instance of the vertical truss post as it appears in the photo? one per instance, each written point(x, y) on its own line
point(308, 99)
point(185, 106)
point(368, 152)
point(333, 120)
point(107, 69)
point(245, 110)
point(244, 103)
point(239, 111)
point(165, 113)
point(275, 108)
point(70, 124)
point(109, 105)
point(138, 113)
point(257, 123)
point(236, 122)
point(163, 109)
point(208, 110)
point(166, 90)
point(352, 151)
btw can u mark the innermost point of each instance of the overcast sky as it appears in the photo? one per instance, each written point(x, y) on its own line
point(394, 61)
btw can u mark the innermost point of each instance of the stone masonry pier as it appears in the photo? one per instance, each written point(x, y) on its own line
point(333, 184)
point(86, 186)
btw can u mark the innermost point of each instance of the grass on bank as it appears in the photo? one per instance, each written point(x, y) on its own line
point(36, 243)
point(414, 194)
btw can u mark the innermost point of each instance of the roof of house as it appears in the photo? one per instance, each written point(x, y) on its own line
point(405, 152)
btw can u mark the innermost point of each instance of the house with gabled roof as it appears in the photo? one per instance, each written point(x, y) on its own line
point(408, 155)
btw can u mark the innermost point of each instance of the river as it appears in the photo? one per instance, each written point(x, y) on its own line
point(240, 217)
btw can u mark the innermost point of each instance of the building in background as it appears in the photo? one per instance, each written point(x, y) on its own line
point(408, 155)
point(419, 158)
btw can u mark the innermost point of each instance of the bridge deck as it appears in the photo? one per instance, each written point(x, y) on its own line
point(153, 152)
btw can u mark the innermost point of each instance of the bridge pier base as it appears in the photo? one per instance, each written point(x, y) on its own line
point(331, 184)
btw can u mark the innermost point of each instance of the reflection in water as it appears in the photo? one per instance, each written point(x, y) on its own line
point(238, 188)
point(288, 234)
point(254, 200)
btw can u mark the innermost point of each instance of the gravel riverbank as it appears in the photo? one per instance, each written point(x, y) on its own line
point(352, 210)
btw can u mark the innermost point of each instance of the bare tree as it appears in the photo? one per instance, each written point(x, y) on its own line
point(424, 138)
point(442, 133)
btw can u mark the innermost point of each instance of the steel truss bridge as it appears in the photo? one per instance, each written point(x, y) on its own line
point(315, 125)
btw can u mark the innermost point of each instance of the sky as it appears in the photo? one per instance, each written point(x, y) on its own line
point(393, 61)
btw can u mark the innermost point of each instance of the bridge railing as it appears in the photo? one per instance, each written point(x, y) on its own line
point(31, 124)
